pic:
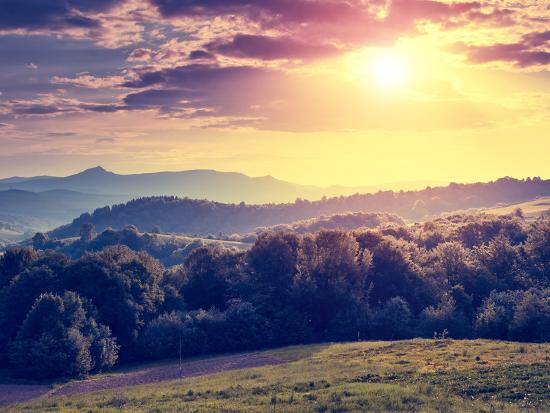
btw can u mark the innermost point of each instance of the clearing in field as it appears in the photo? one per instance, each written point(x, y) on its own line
point(531, 209)
point(405, 376)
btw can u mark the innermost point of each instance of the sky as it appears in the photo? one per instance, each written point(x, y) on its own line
point(322, 92)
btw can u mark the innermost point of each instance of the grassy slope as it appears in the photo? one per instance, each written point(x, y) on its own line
point(531, 209)
point(207, 241)
point(408, 376)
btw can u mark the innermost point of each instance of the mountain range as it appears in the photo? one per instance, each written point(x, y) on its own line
point(228, 187)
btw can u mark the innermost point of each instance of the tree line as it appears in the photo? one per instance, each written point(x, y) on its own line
point(462, 276)
point(202, 217)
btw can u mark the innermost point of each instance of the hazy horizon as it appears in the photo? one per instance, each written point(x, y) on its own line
point(365, 184)
point(393, 184)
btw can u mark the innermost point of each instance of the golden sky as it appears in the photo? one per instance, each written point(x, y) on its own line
point(350, 92)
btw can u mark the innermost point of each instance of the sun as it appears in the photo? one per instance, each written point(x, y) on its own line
point(387, 68)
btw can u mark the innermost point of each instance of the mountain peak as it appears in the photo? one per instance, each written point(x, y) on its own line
point(98, 170)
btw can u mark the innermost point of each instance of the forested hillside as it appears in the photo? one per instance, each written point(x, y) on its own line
point(460, 276)
point(171, 249)
point(203, 217)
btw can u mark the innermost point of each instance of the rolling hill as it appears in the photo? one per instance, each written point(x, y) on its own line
point(23, 212)
point(404, 376)
point(201, 217)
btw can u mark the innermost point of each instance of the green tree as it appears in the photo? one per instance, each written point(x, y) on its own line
point(123, 285)
point(206, 273)
point(56, 339)
point(13, 261)
point(331, 275)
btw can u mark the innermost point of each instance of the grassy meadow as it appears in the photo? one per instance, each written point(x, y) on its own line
point(404, 376)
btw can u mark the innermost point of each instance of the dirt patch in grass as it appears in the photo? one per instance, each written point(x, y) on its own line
point(168, 372)
point(17, 393)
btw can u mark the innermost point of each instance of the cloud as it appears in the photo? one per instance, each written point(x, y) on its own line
point(87, 80)
point(201, 55)
point(110, 23)
point(289, 10)
point(62, 134)
point(52, 105)
point(192, 77)
point(271, 48)
point(105, 140)
point(267, 98)
point(537, 39)
point(315, 27)
point(54, 15)
point(140, 55)
point(31, 66)
point(533, 50)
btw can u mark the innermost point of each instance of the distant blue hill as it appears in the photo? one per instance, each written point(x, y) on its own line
point(229, 187)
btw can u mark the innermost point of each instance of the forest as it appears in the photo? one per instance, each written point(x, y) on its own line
point(203, 217)
point(463, 276)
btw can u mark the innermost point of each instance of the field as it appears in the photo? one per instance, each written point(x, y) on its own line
point(531, 209)
point(207, 241)
point(405, 376)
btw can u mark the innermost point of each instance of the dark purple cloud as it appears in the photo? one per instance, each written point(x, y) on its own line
point(318, 11)
point(201, 55)
point(156, 98)
point(309, 29)
point(285, 10)
point(206, 90)
point(194, 76)
point(531, 50)
point(270, 48)
point(50, 15)
point(537, 39)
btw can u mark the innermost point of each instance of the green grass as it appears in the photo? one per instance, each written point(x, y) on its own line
point(407, 376)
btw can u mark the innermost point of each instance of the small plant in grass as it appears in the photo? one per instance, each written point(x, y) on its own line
point(118, 402)
point(444, 335)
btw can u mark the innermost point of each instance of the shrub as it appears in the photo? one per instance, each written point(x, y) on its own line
point(162, 336)
point(392, 321)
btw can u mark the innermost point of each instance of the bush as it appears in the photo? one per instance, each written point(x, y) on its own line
point(393, 321)
point(162, 336)
point(245, 328)
point(443, 317)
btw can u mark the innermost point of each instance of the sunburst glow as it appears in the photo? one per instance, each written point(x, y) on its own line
point(388, 69)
